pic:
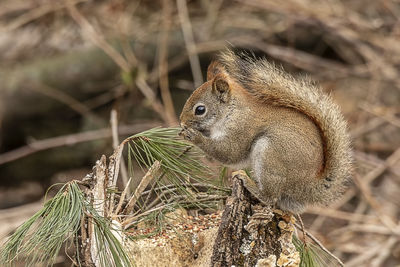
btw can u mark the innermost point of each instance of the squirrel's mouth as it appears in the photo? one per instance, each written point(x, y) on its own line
point(185, 133)
point(182, 132)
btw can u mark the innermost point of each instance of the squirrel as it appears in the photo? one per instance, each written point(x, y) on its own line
point(293, 138)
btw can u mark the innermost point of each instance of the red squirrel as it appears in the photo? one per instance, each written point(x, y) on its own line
point(291, 136)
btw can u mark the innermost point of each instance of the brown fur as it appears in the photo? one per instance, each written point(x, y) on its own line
point(290, 134)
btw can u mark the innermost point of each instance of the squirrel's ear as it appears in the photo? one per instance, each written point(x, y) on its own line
point(220, 87)
point(213, 69)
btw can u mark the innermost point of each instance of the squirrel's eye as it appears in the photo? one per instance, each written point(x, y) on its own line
point(199, 110)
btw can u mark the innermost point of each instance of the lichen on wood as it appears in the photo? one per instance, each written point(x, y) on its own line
point(252, 234)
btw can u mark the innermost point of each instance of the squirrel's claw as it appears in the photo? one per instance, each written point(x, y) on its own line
point(188, 134)
point(251, 186)
point(181, 133)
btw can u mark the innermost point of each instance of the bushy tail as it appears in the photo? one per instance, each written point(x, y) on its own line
point(274, 86)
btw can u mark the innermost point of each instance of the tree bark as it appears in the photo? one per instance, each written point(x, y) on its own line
point(252, 234)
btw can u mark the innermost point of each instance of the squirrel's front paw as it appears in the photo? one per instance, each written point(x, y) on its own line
point(188, 134)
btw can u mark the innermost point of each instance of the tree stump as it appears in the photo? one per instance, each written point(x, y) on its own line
point(252, 234)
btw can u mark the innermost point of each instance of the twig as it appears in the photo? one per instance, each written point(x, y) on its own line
point(106, 97)
point(97, 38)
point(99, 41)
point(383, 217)
point(342, 215)
point(160, 196)
point(150, 175)
point(163, 63)
point(199, 198)
point(113, 172)
point(187, 149)
point(378, 171)
point(313, 238)
point(67, 100)
point(84, 241)
point(386, 117)
point(152, 188)
point(131, 220)
point(368, 253)
point(70, 139)
point(99, 189)
point(189, 42)
point(304, 60)
point(149, 94)
point(385, 252)
point(213, 9)
point(127, 50)
point(37, 13)
point(99, 204)
point(365, 228)
point(367, 127)
point(199, 185)
point(122, 199)
point(114, 129)
point(11, 218)
point(373, 161)
point(303, 229)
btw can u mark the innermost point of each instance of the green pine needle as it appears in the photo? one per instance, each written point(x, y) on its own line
point(40, 238)
point(312, 255)
point(180, 163)
point(111, 251)
point(176, 156)
point(185, 177)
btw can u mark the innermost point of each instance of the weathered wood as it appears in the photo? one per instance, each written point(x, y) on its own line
point(230, 233)
point(252, 234)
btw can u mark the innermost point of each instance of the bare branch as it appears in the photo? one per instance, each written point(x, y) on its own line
point(189, 42)
point(114, 129)
point(70, 139)
point(150, 175)
point(163, 64)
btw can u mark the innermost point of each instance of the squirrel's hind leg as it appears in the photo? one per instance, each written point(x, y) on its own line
point(269, 180)
point(285, 202)
point(252, 187)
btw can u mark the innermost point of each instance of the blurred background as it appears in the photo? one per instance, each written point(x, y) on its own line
point(65, 64)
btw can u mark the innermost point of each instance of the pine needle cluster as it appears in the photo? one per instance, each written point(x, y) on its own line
point(183, 181)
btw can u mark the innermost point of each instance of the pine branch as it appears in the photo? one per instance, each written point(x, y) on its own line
point(40, 238)
point(86, 215)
